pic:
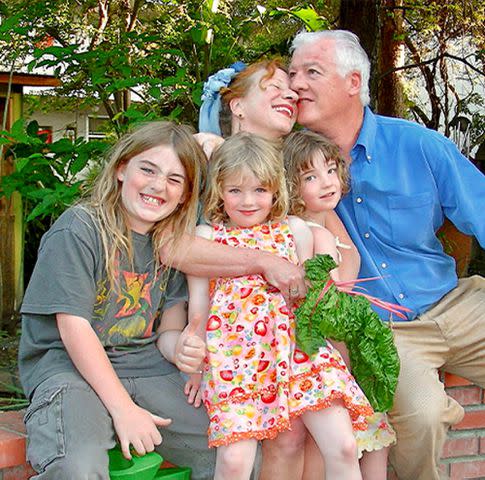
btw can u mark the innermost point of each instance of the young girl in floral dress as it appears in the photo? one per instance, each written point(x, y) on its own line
point(317, 176)
point(256, 383)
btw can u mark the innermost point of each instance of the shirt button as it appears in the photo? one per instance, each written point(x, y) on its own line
point(359, 200)
point(384, 265)
point(401, 296)
point(366, 234)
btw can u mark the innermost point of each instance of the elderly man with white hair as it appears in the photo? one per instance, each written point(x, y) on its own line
point(405, 179)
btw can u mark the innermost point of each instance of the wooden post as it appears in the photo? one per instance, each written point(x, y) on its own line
point(11, 215)
point(11, 229)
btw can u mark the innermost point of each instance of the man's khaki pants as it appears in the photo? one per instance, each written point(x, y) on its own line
point(450, 336)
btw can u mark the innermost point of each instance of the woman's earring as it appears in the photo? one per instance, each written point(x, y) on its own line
point(239, 127)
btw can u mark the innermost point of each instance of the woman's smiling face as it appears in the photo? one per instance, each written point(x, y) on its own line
point(269, 108)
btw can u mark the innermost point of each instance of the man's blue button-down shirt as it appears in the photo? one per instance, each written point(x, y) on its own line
point(404, 180)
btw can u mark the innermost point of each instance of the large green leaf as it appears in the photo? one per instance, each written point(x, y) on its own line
point(328, 313)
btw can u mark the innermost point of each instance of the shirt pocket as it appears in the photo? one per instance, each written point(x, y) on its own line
point(411, 218)
point(45, 428)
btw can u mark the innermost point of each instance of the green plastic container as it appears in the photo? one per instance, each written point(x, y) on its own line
point(138, 468)
point(174, 473)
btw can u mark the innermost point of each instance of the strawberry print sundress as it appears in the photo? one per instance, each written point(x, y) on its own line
point(255, 379)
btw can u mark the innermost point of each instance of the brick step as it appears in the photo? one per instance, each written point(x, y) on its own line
point(13, 463)
point(463, 453)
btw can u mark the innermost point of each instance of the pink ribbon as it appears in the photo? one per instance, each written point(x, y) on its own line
point(390, 307)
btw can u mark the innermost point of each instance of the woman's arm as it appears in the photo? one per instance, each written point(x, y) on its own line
point(350, 264)
point(203, 258)
point(133, 425)
point(208, 141)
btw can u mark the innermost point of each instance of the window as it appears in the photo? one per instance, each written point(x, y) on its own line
point(97, 127)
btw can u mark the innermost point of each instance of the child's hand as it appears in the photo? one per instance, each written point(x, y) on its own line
point(190, 349)
point(193, 391)
point(208, 141)
point(137, 427)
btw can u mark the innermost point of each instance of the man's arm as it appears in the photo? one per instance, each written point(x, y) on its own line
point(204, 258)
point(461, 187)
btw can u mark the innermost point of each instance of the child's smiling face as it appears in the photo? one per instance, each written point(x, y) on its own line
point(247, 201)
point(153, 185)
point(320, 186)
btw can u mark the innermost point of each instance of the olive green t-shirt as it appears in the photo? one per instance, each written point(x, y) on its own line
point(69, 277)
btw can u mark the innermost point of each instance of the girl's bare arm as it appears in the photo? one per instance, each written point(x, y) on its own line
point(133, 425)
point(350, 265)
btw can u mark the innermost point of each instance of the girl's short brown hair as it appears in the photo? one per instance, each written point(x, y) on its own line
point(299, 149)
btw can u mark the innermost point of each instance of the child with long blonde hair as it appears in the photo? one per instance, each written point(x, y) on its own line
point(256, 383)
point(317, 177)
point(101, 316)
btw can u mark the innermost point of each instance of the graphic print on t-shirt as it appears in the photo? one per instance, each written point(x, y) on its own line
point(126, 316)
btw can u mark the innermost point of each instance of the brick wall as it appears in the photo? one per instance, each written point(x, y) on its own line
point(464, 452)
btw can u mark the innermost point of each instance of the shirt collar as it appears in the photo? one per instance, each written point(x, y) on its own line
point(367, 135)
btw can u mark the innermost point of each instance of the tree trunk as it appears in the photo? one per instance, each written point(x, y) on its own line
point(389, 90)
point(378, 24)
point(362, 18)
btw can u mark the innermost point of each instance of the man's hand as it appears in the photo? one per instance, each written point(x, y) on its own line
point(190, 349)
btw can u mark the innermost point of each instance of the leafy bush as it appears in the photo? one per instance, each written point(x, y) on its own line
point(48, 176)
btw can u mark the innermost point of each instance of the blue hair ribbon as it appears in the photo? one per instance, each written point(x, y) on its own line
point(211, 98)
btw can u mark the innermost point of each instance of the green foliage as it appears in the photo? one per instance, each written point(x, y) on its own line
point(329, 313)
point(49, 177)
point(310, 18)
point(11, 394)
point(159, 52)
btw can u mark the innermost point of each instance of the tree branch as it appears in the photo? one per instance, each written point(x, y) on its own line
point(103, 7)
point(434, 60)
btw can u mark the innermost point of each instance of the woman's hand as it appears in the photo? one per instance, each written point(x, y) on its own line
point(287, 277)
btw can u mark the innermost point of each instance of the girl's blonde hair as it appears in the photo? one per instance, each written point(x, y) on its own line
point(105, 201)
point(240, 86)
point(299, 150)
point(240, 152)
